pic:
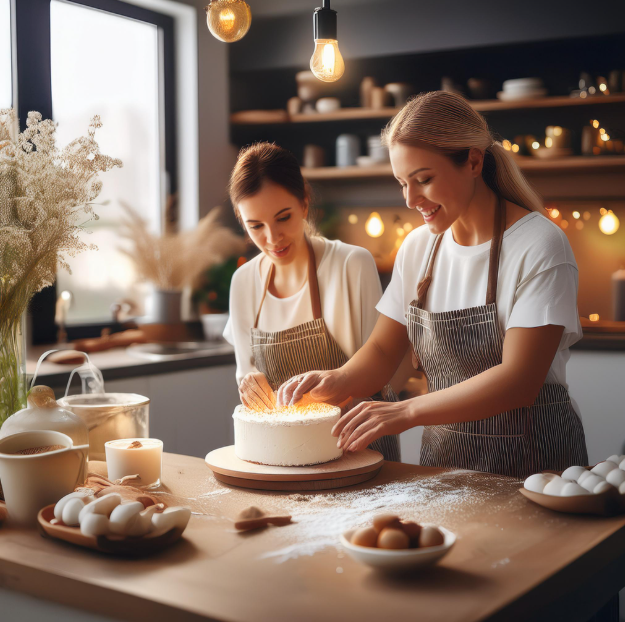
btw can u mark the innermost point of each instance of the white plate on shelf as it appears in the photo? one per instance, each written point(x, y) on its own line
point(404, 559)
point(507, 96)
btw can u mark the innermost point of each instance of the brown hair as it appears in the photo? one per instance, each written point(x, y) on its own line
point(448, 123)
point(262, 162)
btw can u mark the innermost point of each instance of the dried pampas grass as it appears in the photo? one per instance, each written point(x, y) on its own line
point(175, 261)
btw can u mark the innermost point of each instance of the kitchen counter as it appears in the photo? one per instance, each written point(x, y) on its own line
point(513, 559)
point(117, 363)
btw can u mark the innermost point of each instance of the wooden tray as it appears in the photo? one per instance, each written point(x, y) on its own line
point(350, 469)
point(115, 545)
point(606, 503)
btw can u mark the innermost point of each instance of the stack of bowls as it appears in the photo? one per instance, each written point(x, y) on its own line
point(522, 88)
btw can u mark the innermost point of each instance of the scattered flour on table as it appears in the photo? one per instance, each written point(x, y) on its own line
point(444, 499)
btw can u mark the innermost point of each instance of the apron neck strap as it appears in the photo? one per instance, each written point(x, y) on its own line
point(499, 227)
point(313, 285)
point(495, 251)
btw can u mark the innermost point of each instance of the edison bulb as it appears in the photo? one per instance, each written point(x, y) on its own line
point(326, 62)
point(374, 225)
point(609, 223)
point(228, 20)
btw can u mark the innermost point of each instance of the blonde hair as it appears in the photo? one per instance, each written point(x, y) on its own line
point(448, 123)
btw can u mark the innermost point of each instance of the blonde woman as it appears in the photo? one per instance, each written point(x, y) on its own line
point(304, 302)
point(485, 294)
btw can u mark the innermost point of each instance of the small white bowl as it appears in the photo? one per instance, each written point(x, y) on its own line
point(403, 559)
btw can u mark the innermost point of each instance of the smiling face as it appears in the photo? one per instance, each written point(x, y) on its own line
point(433, 184)
point(275, 221)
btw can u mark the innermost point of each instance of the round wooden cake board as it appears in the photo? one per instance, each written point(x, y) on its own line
point(350, 469)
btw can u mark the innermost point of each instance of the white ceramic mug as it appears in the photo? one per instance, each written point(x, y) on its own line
point(30, 482)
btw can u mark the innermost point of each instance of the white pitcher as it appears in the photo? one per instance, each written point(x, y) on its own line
point(30, 482)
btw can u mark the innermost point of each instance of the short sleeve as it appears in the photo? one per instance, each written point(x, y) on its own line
point(392, 302)
point(550, 297)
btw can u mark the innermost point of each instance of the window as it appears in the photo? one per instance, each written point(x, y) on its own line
point(6, 71)
point(115, 59)
point(91, 75)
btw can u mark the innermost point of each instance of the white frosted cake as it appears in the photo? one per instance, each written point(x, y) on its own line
point(289, 436)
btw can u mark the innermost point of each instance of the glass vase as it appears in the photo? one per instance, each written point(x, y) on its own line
point(12, 366)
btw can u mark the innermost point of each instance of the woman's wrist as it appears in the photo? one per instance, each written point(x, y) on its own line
point(414, 409)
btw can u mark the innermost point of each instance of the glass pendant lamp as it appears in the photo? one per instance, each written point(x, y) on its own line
point(228, 20)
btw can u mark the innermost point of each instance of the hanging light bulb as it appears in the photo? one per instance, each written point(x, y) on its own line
point(326, 62)
point(228, 20)
point(374, 225)
point(609, 223)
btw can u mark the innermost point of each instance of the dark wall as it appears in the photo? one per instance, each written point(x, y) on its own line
point(391, 27)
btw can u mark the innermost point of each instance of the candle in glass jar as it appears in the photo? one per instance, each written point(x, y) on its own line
point(135, 456)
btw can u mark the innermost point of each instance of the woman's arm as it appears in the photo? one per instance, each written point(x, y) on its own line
point(516, 382)
point(364, 374)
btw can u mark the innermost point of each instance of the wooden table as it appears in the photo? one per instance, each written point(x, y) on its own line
point(513, 560)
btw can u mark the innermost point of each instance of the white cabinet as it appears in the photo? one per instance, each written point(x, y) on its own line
point(190, 411)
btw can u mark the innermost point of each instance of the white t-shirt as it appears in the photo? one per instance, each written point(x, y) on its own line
point(349, 287)
point(537, 282)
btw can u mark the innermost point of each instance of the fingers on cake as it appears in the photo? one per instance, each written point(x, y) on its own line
point(299, 435)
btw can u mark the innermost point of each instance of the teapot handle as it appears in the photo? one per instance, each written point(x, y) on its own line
point(91, 376)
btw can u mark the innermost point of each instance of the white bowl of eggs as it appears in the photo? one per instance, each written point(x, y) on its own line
point(579, 490)
point(395, 545)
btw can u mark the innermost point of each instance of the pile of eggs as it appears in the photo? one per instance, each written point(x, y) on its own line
point(390, 532)
point(577, 480)
point(108, 515)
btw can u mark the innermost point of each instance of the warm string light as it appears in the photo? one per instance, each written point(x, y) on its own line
point(374, 225)
point(609, 223)
point(352, 219)
point(593, 317)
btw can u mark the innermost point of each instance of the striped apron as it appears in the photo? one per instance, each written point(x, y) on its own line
point(453, 346)
point(286, 353)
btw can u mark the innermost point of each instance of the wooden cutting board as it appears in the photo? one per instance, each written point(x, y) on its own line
point(350, 469)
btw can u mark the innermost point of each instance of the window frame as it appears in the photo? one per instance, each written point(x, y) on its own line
point(31, 20)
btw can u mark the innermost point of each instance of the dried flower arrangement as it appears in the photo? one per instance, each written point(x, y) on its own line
point(177, 260)
point(46, 197)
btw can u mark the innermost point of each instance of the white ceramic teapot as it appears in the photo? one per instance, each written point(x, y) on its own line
point(38, 468)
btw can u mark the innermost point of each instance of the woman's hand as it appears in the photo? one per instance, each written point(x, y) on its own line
point(255, 392)
point(369, 421)
point(323, 386)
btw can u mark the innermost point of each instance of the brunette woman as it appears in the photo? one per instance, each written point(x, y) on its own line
point(304, 302)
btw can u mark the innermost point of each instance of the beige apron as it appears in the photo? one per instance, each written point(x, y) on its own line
point(283, 354)
point(453, 346)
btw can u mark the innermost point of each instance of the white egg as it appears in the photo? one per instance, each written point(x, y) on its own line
point(616, 459)
point(572, 489)
point(622, 465)
point(534, 483)
point(58, 508)
point(94, 525)
point(141, 524)
point(555, 486)
point(615, 477)
point(122, 515)
point(71, 511)
point(583, 476)
point(591, 482)
point(179, 517)
point(602, 487)
point(573, 473)
point(103, 505)
point(621, 488)
point(603, 468)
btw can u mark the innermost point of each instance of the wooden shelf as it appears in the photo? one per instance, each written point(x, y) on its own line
point(529, 164)
point(272, 117)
